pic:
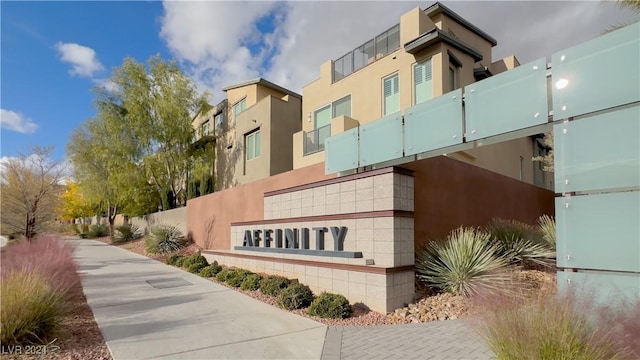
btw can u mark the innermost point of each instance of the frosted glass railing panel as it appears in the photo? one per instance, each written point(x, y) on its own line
point(598, 74)
point(341, 151)
point(381, 140)
point(433, 124)
point(513, 100)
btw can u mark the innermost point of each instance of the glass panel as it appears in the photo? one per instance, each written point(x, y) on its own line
point(323, 134)
point(513, 100)
point(250, 146)
point(323, 117)
point(598, 74)
point(599, 152)
point(369, 52)
point(310, 143)
point(381, 45)
point(423, 87)
point(393, 38)
point(359, 58)
point(387, 131)
point(218, 121)
point(257, 143)
point(342, 107)
point(433, 124)
point(347, 64)
point(604, 288)
point(599, 231)
point(338, 72)
point(341, 151)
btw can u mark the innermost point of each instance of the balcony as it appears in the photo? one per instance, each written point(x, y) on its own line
point(314, 140)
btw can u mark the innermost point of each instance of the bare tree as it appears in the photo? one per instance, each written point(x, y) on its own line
point(31, 187)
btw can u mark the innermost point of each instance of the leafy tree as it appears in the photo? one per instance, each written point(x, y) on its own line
point(73, 203)
point(30, 186)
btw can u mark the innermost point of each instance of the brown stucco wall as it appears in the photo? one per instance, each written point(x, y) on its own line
point(209, 217)
point(450, 193)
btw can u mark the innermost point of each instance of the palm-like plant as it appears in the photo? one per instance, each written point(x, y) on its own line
point(547, 226)
point(520, 244)
point(464, 264)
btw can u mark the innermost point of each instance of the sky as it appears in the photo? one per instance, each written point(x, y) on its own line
point(53, 54)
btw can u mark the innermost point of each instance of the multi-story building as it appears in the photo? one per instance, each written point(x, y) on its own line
point(429, 53)
point(251, 132)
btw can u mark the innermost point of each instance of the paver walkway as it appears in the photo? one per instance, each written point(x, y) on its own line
point(149, 310)
point(451, 339)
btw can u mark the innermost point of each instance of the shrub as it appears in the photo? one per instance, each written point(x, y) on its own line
point(47, 255)
point(165, 239)
point(126, 233)
point(251, 282)
point(272, 285)
point(210, 271)
point(558, 327)
point(237, 276)
point(195, 263)
point(520, 243)
point(328, 305)
point(223, 274)
point(97, 230)
point(295, 296)
point(463, 264)
point(174, 259)
point(31, 308)
point(547, 227)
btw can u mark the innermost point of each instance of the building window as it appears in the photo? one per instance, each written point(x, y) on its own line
point(205, 128)
point(252, 144)
point(391, 90)
point(341, 107)
point(219, 120)
point(422, 84)
point(239, 107)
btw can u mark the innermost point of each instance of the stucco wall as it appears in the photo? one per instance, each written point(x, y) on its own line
point(451, 193)
point(175, 217)
point(209, 217)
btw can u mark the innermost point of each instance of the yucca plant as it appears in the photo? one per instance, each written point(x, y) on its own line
point(464, 264)
point(165, 239)
point(520, 244)
point(547, 227)
point(126, 233)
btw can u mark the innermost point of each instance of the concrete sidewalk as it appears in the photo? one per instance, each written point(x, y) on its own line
point(148, 310)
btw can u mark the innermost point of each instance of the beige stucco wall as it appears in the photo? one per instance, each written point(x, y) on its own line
point(174, 217)
point(285, 121)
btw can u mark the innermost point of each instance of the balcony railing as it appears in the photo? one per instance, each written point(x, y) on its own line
point(314, 140)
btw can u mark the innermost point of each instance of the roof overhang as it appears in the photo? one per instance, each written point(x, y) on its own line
point(265, 83)
point(436, 36)
point(438, 8)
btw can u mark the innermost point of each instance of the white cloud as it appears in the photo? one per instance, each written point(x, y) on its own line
point(213, 39)
point(17, 122)
point(83, 59)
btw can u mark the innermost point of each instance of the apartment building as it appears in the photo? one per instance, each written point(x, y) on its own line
point(250, 131)
point(427, 54)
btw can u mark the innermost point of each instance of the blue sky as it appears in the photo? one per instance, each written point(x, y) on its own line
point(53, 53)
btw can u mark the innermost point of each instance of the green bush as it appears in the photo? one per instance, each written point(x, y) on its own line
point(237, 276)
point(463, 264)
point(223, 274)
point(175, 259)
point(328, 305)
point(195, 263)
point(97, 230)
point(165, 239)
point(519, 243)
point(251, 282)
point(210, 271)
point(124, 233)
point(31, 308)
point(272, 285)
point(295, 296)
